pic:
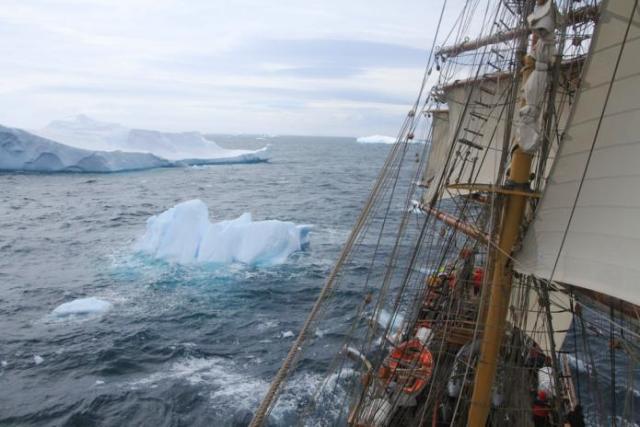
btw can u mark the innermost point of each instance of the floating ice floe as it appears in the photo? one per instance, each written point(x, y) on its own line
point(183, 147)
point(184, 234)
point(23, 151)
point(376, 139)
point(82, 306)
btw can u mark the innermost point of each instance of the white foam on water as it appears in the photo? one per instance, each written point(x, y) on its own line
point(233, 388)
point(579, 365)
point(384, 318)
point(266, 325)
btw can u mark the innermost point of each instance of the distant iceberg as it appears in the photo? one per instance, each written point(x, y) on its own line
point(377, 139)
point(82, 306)
point(184, 147)
point(23, 151)
point(184, 234)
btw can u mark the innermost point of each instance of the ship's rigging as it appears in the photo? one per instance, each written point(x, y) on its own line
point(519, 259)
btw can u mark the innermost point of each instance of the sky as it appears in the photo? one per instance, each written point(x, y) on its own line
point(330, 67)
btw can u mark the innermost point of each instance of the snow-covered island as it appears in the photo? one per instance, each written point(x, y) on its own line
point(23, 151)
point(86, 145)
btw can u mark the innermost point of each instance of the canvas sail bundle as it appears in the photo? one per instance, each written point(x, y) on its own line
point(587, 227)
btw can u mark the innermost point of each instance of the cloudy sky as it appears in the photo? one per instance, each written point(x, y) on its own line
point(330, 67)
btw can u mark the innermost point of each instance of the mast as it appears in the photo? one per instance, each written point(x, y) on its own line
point(500, 293)
point(542, 21)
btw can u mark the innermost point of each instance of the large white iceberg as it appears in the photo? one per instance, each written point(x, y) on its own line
point(376, 139)
point(184, 234)
point(23, 151)
point(184, 147)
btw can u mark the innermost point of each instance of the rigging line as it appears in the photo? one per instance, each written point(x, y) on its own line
point(592, 373)
point(361, 306)
point(393, 257)
point(427, 70)
point(612, 366)
point(266, 404)
point(416, 173)
point(595, 138)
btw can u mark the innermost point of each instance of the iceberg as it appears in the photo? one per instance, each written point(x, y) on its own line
point(23, 151)
point(190, 148)
point(82, 306)
point(184, 234)
point(376, 139)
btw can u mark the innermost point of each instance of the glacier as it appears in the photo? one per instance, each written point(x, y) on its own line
point(82, 306)
point(190, 148)
point(23, 151)
point(184, 234)
point(376, 139)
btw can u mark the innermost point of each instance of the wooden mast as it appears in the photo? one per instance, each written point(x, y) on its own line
point(502, 275)
point(500, 293)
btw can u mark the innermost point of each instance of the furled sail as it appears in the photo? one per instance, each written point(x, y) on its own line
point(587, 227)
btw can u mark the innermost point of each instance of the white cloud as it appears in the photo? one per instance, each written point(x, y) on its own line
point(330, 67)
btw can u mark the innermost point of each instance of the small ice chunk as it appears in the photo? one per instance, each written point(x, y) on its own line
point(37, 359)
point(83, 306)
point(287, 334)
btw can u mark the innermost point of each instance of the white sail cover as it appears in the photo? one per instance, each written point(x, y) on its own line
point(597, 169)
point(439, 144)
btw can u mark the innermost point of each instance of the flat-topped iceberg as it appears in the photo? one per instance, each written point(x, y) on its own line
point(184, 147)
point(82, 306)
point(184, 234)
point(376, 139)
point(23, 151)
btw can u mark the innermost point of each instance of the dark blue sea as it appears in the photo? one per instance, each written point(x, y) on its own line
point(182, 345)
point(197, 345)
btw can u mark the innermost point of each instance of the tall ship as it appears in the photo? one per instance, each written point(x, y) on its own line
point(509, 293)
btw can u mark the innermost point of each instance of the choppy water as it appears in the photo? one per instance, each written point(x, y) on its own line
point(192, 345)
point(184, 345)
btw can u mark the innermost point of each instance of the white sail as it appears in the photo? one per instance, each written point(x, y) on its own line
point(587, 226)
point(439, 144)
point(529, 313)
point(478, 142)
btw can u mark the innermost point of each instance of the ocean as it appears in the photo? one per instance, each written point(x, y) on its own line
point(197, 344)
point(183, 344)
